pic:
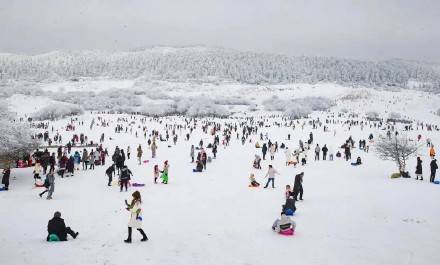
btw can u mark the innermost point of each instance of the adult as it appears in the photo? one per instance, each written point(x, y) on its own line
point(317, 151)
point(264, 151)
point(125, 177)
point(271, 172)
point(298, 187)
point(139, 154)
point(57, 227)
point(110, 172)
point(5, 178)
point(324, 152)
point(134, 207)
point(419, 169)
point(433, 165)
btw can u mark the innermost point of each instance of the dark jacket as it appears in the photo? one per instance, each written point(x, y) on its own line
point(433, 165)
point(57, 226)
point(419, 167)
point(5, 179)
point(290, 204)
point(125, 173)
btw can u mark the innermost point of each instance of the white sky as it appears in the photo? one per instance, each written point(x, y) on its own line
point(365, 29)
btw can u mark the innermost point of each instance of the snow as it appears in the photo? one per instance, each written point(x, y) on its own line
point(350, 215)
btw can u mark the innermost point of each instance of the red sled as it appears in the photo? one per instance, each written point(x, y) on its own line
point(146, 161)
point(288, 232)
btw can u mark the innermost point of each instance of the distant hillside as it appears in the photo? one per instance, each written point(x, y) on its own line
point(202, 63)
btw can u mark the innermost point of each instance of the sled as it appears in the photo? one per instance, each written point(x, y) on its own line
point(395, 175)
point(39, 185)
point(137, 184)
point(146, 161)
point(2, 189)
point(53, 238)
point(288, 232)
point(195, 170)
point(437, 182)
point(251, 186)
point(290, 212)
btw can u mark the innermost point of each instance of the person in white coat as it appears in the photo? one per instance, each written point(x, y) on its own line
point(288, 155)
point(135, 216)
point(271, 172)
point(272, 150)
point(285, 223)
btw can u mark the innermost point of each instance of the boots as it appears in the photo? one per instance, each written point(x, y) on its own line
point(128, 240)
point(144, 236)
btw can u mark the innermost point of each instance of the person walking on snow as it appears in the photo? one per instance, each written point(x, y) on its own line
point(272, 151)
point(134, 207)
point(191, 153)
point(419, 169)
point(110, 172)
point(324, 152)
point(139, 154)
point(264, 151)
point(433, 165)
point(153, 148)
point(298, 187)
point(164, 172)
point(271, 172)
point(317, 151)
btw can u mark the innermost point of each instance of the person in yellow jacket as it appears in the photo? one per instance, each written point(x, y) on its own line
point(432, 152)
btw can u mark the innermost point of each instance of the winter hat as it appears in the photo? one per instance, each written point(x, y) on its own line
point(57, 214)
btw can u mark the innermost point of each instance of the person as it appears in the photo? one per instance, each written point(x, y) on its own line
point(110, 172)
point(125, 177)
point(199, 166)
point(271, 172)
point(432, 151)
point(49, 184)
point(289, 205)
point(85, 159)
point(288, 155)
point(330, 151)
point(5, 178)
point(257, 162)
point(358, 161)
point(254, 183)
point(156, 173)
point(272, 150)
point(204, 158)
point(191, 153)
point(92, 158)
point(433, 165)
point(283, 224)
point(419, 170)
point(164, 172)
point(37, 171)
point(134, 207)
point(298, 187)
point(264, 151)
point(214, 150)
point(317, 151)
point(324, 152)
point(128, 152)
point(56, 226)
point(139, 154)
point(77, 159)
point(70, 166)
point(153, 148)
point(288, 192)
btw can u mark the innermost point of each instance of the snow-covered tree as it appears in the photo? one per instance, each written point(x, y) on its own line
point(398, 149)
point(15, 138)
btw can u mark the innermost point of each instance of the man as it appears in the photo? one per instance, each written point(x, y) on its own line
point(317, 150)
point(324, 152)
point(271, 174)
point(297, 187)
point(110, 172)
point(434, 168)
point(56, 226)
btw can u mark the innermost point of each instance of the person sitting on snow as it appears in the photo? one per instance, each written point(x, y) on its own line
point(283, 224)
point(254, 183)
point(290, 204)
point(57, 227)
point(199, 166)
point(358, 161)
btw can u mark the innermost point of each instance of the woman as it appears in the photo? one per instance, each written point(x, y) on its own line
point(135, 216)
point(77, 158)
point(419, 169)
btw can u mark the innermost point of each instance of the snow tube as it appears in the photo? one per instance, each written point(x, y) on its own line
point(138, 184)
point(288, 232)
point(395, 175)
point(2, 188)
point(437, 182)
point(290, 212)
point(53, 238)
point(195, 170)
point(354, 164)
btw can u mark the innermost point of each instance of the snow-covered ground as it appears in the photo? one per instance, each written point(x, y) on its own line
point(350, 215)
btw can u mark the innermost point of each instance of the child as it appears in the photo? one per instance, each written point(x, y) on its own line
point(165, 172)
point(288, 192)
point(254, 183)
point(156, 173)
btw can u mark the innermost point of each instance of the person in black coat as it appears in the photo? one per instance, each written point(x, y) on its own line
point(57, 226)
point(290, 204)
point(434, 168)
point(324, 152)
point(5, 178)
point(125, 177)
point(110, 172)
point(264, 150)
point(419, 172)
point(297, 187)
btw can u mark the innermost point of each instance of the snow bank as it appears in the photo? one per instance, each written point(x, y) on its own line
point(57, 111)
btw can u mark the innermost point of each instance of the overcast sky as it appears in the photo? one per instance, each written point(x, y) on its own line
point(365, 29)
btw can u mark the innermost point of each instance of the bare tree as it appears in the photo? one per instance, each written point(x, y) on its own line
point(398, 149)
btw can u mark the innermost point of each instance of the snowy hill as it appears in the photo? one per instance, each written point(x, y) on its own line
point(215, 64)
